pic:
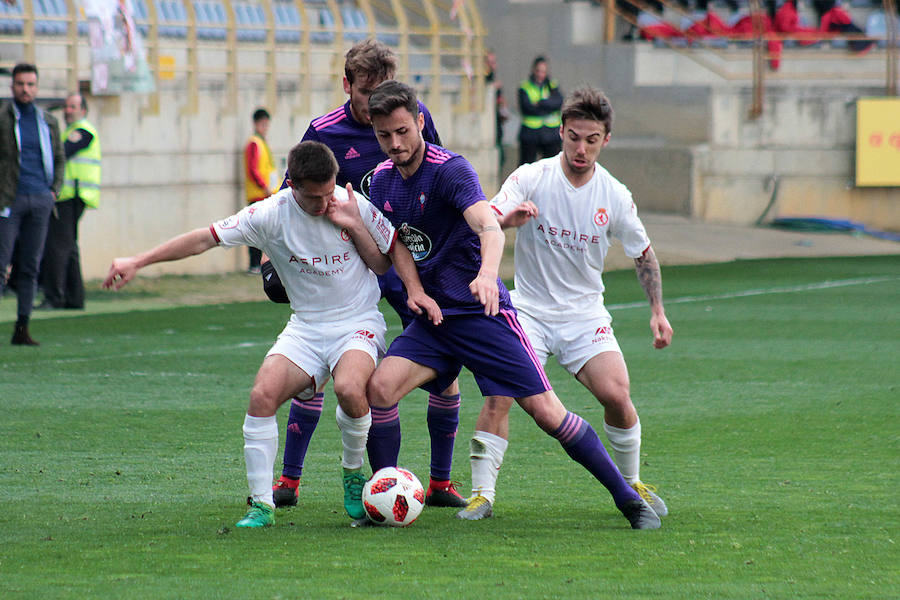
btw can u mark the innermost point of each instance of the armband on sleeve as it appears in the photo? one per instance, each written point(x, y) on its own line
point(272, 285)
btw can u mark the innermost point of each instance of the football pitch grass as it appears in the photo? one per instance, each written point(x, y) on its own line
point(770, 427)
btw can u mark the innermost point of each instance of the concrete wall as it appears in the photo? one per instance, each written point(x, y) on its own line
point(570, 35)
point(171, 172)
point(804, 141)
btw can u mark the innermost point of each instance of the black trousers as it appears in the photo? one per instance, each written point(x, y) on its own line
point(533, 142)
point(23, 228)
point(61, 266)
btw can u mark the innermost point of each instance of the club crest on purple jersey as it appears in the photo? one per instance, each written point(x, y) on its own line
point(365, 184)
point(418, 243)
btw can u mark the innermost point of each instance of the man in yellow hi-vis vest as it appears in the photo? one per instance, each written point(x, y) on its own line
point(258, 169)
point(539, 102)
point(61, 265)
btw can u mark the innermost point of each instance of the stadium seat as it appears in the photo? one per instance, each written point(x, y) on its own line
point(352, 30)
point(876, 26)
point(287, 22)
point(211, 20)
point(391, 39)
point(254, 20)
point(43, 26)
point(325, 19)
point(258, 16)
point(140, 16)
point(11, 22)
point(172, 18)
point(361, 21)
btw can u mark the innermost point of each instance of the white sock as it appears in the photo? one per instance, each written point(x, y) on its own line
point(486, 452)
point(260, 446)
point(354, 434)
point(626, 445)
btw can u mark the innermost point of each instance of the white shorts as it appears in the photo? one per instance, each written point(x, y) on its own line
point(316, 347)
point(572, 342)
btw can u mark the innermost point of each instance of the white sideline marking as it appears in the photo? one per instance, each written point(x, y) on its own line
point(759, 292)
point(238, 346)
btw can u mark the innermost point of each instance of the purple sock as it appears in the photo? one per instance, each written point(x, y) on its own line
point(384, 437)
point(580, 441)
point(443, 421)
point(302, 421)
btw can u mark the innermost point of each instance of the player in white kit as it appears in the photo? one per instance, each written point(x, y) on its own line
point(567, 210)
point(325, 244)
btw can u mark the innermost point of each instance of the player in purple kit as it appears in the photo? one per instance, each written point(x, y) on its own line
point(434, 200)
point(347, 131)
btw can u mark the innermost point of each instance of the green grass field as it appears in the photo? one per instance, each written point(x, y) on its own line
point(770, 427)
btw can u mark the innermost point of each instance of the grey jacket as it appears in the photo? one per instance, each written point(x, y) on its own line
point(54, 156)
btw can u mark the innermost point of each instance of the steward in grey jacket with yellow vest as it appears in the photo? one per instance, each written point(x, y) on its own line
point(61, 268)
point(540, 100)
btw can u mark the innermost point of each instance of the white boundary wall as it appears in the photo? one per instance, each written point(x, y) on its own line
point(168, 173)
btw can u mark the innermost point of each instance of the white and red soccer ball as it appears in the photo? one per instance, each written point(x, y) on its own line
point(394, 497)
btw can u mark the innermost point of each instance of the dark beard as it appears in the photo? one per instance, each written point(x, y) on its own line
point(413, 155)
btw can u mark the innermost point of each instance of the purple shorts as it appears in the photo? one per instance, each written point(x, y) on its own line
point(495, 349)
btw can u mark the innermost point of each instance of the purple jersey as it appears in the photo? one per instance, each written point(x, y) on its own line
point(427, 212)
point(355, 146)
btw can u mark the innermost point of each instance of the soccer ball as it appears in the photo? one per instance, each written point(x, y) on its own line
point(393, 497)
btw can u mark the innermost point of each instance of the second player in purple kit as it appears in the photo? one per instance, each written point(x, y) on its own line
point(347, 131)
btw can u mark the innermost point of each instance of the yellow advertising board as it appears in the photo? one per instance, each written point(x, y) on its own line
point(878, 142)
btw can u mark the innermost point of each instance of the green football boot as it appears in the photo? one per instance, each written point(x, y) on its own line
point(354, 481)
point(260, 514)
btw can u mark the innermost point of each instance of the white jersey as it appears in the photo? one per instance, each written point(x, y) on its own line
point(325, 277)
point(559, 255)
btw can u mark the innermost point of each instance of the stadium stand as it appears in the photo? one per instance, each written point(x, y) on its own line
point(355, 24)
point(11, 22)
point(140, 16)
point(211, 20)
point(288, 25)
point(729, 24)
point(250, 20)
point(50, 17)
point(172, 18)
point(876, 27)
point(322, 24)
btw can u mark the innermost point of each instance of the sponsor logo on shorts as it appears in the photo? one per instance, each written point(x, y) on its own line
point(418, 243)
point(602, 335)
point(601, 218)
point(365, 333)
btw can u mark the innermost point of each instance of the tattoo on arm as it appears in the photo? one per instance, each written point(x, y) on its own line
point(649, 276)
